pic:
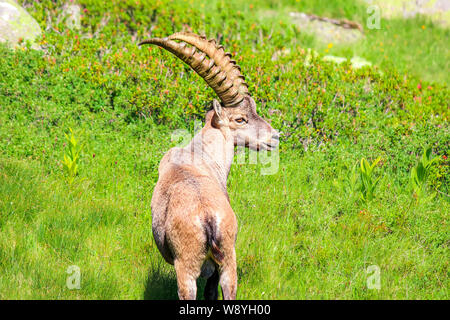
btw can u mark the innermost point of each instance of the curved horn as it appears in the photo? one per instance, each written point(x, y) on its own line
point(221, 73)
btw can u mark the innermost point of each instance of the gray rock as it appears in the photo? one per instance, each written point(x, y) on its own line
point(324, 31)
point(16, 24)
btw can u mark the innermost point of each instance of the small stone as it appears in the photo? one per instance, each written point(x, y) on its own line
point(334, 59)
point(358, 62)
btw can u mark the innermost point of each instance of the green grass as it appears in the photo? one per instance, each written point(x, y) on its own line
point(304, 232)
point(305, 240)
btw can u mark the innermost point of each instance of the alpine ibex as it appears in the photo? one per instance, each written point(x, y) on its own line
point(192, 221)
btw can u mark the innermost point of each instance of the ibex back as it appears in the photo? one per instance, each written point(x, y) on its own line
point(193, 223)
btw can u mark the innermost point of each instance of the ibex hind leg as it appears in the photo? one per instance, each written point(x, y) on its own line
point(228, 277)
point(186, 280)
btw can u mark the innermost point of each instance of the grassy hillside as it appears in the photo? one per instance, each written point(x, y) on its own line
point(304, 233)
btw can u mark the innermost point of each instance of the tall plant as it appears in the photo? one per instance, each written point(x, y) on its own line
point(71, 157)
point(421, 172)
point(368, 183)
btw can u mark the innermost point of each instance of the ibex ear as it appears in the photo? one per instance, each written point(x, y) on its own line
point(217, 108)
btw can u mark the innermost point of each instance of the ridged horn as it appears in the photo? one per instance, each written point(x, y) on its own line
point(221, 73)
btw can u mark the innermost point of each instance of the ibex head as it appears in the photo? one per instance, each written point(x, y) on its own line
point(236, 114)
point(245, 125)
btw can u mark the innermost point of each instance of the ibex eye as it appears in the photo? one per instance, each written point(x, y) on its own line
point(240, 120)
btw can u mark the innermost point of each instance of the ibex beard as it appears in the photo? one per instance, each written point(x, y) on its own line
point(193, 223)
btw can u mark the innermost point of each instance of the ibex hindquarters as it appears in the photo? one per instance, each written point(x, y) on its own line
point(198, 232)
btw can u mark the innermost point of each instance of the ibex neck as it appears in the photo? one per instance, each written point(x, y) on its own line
point(215, 151)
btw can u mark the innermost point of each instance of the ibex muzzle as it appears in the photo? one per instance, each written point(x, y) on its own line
point(193, 223)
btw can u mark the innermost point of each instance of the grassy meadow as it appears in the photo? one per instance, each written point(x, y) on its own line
point(312, 230)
